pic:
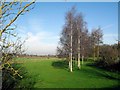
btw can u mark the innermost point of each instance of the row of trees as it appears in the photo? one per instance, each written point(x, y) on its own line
point(75, 40)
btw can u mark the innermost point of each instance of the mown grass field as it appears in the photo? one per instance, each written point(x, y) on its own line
point(53, 73)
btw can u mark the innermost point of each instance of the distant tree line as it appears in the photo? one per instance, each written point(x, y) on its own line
point(76, 43)
point(40, 56)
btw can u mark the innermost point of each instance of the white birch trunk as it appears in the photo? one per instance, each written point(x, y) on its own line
point(94, 54)
point(69, 64)
point(98, 52)
point(83, 56)
point(78, 49)
point(71, 49)
point(79, 61)
point(0, 54)
point(82, 59)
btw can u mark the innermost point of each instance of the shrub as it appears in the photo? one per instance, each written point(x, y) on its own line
point(108, 57)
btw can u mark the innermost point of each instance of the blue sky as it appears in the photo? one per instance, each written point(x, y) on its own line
point(44, 23)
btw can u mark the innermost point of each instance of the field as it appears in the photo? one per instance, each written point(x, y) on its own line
point(53, 73)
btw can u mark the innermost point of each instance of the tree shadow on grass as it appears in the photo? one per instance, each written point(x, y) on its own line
point(102, 72)
point(115, 87)
point(61, 64)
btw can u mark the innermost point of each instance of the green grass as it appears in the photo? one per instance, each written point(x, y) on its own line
point(53, 73)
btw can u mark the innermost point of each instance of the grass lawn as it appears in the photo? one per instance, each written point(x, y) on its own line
point(53, 73)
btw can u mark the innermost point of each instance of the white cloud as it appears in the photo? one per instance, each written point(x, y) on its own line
point(110, 38)
point(40, 41)
point(111, 35)
point(107, 26)
point(37, 44)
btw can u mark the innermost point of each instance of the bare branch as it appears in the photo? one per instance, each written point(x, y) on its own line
point(19, 13)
